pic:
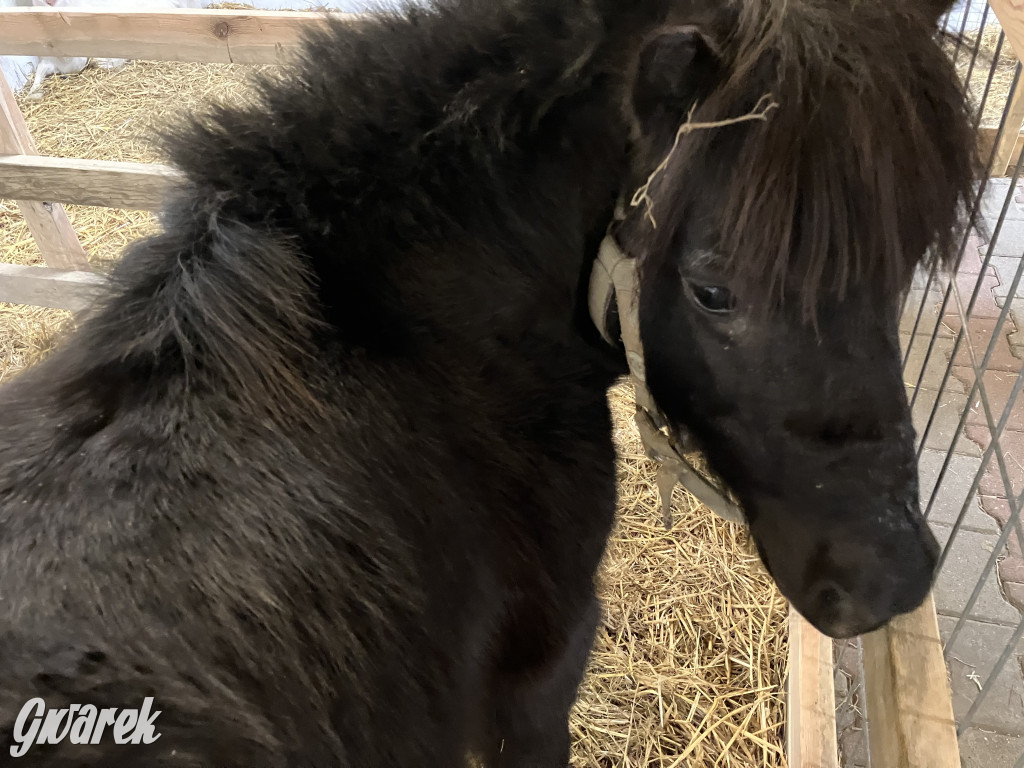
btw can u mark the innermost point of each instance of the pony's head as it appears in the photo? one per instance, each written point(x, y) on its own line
point(807, 157)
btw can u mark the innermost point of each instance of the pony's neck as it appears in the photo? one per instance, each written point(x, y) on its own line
point(461, 192)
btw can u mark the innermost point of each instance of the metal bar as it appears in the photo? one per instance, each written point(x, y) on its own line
point(1011, 645)
point(962, 333)
point(979, 196)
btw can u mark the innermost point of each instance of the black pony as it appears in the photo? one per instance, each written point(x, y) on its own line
point(329, 471)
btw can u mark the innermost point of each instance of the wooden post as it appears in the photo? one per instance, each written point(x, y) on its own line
point(909, 703)
point(1011, 132)
point(48, 222)
point(1011, 18)
point(811, 698)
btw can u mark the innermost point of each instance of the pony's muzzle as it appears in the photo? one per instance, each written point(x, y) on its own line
point(844, 604)
point(849, 582)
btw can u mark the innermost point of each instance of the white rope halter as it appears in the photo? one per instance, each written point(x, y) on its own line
point(614, 279)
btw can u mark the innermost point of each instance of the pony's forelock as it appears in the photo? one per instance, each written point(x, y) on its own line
point(861, 174)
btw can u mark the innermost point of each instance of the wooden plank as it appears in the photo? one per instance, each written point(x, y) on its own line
point(46, 287)
point(811, 702)
point(986, 140)
point(1011, 18)
point(1011, 132)
point(909, 703)
point(86, 182)
point(48, 223)
point(178, 34)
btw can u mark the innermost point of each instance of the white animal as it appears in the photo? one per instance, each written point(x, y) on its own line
point(53, 65)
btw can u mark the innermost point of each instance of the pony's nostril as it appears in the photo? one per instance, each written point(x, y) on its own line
point(837, 614)
point(831, 599)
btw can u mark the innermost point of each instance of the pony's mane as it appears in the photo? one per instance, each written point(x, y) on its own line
point(861, 173)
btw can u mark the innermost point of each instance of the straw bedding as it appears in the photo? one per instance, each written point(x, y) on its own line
point(689, 665)
point(1002, 72)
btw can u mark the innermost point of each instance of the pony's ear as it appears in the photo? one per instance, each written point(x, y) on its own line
point(676, 67)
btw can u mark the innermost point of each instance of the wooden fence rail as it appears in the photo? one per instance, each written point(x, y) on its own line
point(86, 182)
point(182, 34)
point(40, 184)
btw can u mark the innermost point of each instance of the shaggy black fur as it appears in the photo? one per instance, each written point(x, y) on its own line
point(330, 471)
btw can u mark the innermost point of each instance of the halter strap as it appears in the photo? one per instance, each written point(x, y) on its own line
point(613, 286)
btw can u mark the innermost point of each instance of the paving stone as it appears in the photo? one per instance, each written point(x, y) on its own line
point(992, 200)
point(956, 484)
point(984, 303)
point(978, 436)
point(929, 317)
point(1011, 566)
point(982, 749)
point(980, 333)
point(917, 284)
point(974, 254)
point(1016, 336)
point(1012, 579)
point(1005, 268)
point(945, 423)
point(938, 360)
point(999, 387)
point(1001, 294)
point(1010, 241)
point(960, 572)
point(1014, 593)
point(996, 192)
point(971, 660)
point(920, 280)
point(1012, 444)
point(997, 508)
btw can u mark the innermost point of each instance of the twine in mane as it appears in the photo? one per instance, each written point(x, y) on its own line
point(642, 195)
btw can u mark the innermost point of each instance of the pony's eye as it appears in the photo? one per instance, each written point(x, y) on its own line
point(713, 298)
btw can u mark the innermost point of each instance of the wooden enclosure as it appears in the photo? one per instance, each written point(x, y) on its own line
point(911, 717)
point(37, 183)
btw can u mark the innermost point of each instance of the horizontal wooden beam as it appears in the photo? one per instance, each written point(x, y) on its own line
point(46, 287)
point(909, 704)
point(179, 34)
point(811, 723)
point(141, 186)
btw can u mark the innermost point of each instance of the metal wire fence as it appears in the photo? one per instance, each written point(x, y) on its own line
point(964, 376)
